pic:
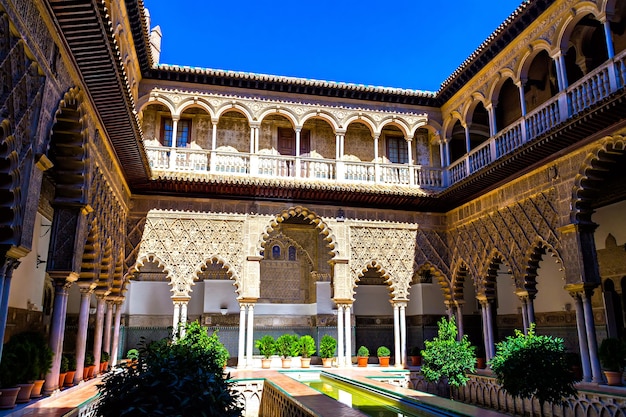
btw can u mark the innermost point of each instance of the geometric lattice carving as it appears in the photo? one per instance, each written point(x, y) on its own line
point(185, 242)
point(390, 250)
point(509, 235)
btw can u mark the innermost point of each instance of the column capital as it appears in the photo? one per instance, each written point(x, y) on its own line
point(399, 303)
point(580, 289)
point(247, 301)
point(341, 131)
point(343, 302)
point(86, 287)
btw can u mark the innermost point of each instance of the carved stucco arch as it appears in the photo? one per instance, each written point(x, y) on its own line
point(90, 264)
point(532, 52)
point(534, 255)
point(282, 111)
point(568, 24)
point(364, 119)
point(585, 187)
point(486, 281)
point(194, 102)
point(387, 278)
point(232, 272)
point(236, 107)
point(141, 261)
point(438, 275)
point(397, 122)
point(323, 115)
point(313, 218)
point(156, 98)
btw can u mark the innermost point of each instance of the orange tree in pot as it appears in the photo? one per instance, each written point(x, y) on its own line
point(267, 347)
point(328, 344)
point(362, 356)
point(383, 354)
point(612, 354)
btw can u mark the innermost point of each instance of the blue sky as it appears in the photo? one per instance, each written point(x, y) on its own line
point(412, 44)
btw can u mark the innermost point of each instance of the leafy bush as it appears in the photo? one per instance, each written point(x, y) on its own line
point(104, 357)
point(182, 378)
point(306, 346)
point(89, 359)
point(65, 365)
point(415, 351)
point(287, 345)
point(446, 357)
point(531, 365)
point(383, 351)
point(612, 353)
point(266, 345)
point(328, 344)
point(132, 354)
point(363, 352)
point(71, 361)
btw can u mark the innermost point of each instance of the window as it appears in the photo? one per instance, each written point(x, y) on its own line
point(292, 253)
point(276, 252)
point(183, 134)
point(397, 150)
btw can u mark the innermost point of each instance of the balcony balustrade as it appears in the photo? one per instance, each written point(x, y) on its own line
point(591, 89)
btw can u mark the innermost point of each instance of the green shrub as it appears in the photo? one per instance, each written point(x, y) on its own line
point(531, 365)
point(287, 345)
point(132, 354)
point(383, 351)
point(89, 359)
point(328, 344)
point(65, 365)
point(71, 361)
point(446, 357)
point(182, 378)
point(363, 352)
point(612, 353)
point(415, 351)
point(266, 345)
point(306, 346)
point(104, 357)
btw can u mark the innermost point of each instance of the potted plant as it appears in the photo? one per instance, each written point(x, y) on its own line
point(89, 366)
point(132, 357)
point(362, 356)
point(63, 370)
point(43, 361)
point(221, 353)
point(612, 354)
point(445, 357)
point(10, 374)
point(415, 354)
point(481, 357)
point(104, 361)
point(71, 370)
point(25, 349)
point(383, 354)
point(287, 346)
point(267, 347)
point(328, 344)
point(306, 346)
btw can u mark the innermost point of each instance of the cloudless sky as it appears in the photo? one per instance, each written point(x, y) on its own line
point(413, 44)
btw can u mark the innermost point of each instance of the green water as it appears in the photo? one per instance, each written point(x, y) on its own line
point(369, 404)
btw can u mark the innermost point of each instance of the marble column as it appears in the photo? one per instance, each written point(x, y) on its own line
point(57, 328)
point(396, 333)
point(492, 348)
point(241, 354)
point(592, 343)
point(340, 350)
point(98, 331)
point(116, 332)
point(250, 334)
point(348, 333)
point(175, 320)
point(582, 337)
point(459, 319)
point(83, 323)
point(183, 318)
point(403, 335)
point(6, 272)
point(108, 322)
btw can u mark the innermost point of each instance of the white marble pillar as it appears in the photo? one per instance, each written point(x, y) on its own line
point(530, 307)
point(582, 338)
point(376, 159)
point(173, 146)
point(524, 314)
point(403, 334)
point(459, 319)
point(116, 333)
point(298, 173)
point(57, 333)
point(108, 322)
point(175, 320)
point(468, 144)
point(609, 39)
point(396, 333)
point(490, 330)
point(561, 71)
point(348, 333)
point(214, 122)
point(592, 343)
point(183, 318)
point(98, 331)
point(340, 351)
point(442, 152)
point(252, 145)
point(81, 336)
point(242, 337)
point(522, 96)
point(250, 334)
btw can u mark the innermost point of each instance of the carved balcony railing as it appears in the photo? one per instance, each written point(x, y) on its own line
point(591, 89)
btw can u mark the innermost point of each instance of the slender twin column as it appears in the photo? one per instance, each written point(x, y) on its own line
point(116, 332)
point(485, 305)
point(344, 334)
point(399, 332)
point(528, 308)
point(81, 337)
point(179, 320)
point(6, 271)
point(246, 338)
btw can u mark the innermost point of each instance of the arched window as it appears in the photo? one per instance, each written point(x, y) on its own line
point(276, 252)
point(292, 253)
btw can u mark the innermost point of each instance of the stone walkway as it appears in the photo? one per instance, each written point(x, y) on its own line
point(60, 404)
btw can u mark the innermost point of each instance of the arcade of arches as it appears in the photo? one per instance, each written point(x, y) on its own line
point(136, 196)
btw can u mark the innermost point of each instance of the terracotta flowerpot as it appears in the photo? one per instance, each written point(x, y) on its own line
point(613, 378)
point(8, 397)
point(37, 386)
point(62, 379)
point(266, 363)
point(480, 363)
point(362, 361)
point(90, 370)
point(69, 378)
point(327, 362)
point(383, 361)
point(104, 366)
point(286, 362)
point(23, 396)
point(416, 360)
point(305, 362)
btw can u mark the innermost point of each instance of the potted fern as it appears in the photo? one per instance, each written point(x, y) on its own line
point(306, 346)
point(267, 347)
point(328, 344)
